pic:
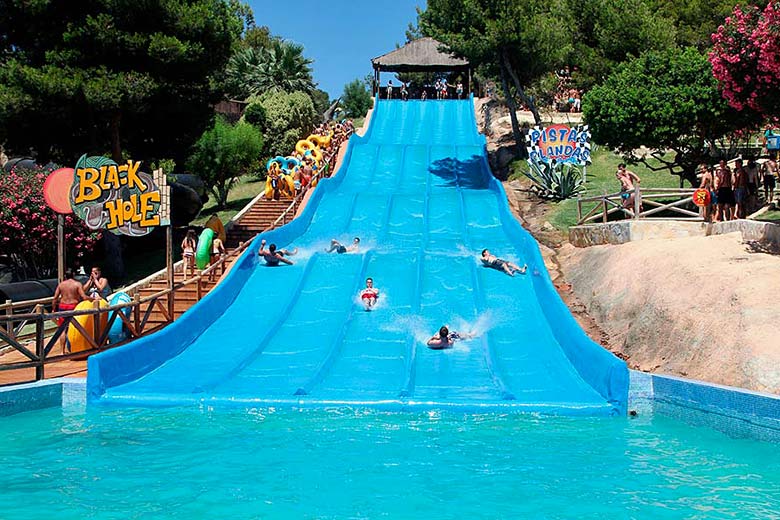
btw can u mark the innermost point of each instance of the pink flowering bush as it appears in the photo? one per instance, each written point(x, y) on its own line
point(29, 226)
point(746, 59)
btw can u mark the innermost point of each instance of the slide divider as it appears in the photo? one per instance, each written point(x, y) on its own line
point(479, 303)
point(335, 347)
point(407, 390)
point(270, 331)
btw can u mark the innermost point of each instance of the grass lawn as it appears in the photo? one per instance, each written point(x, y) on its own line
point(600, 179)
point(246, 189)
point(770, 216)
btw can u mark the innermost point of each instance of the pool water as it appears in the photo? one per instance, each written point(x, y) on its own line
point(357, 463)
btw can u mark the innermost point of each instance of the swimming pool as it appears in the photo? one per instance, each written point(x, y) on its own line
point(109, 462)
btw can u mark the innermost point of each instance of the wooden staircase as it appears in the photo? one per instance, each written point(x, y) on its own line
point(256, 219)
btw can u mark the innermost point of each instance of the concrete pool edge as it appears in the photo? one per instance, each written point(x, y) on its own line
point(733, 411)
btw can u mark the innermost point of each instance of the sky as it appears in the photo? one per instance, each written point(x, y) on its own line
point(341, 36)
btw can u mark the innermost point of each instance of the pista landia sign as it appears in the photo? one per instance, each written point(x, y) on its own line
point(559, 144)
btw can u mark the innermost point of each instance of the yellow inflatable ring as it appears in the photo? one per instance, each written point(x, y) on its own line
point(303, 145)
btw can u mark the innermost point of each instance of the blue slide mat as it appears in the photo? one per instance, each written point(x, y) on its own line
point(418, 192)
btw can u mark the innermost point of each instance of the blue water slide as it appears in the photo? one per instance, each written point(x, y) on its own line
point(418, 192)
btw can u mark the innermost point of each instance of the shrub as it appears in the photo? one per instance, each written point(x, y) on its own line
point(556, 181)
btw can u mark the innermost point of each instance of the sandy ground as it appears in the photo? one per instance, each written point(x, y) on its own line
point(703, 307)
point(706, 308)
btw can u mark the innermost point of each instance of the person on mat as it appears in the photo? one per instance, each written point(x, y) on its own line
point(369, 294)
point(445, 339)
point(493, 261)
point(338, 247)
point(273, 256)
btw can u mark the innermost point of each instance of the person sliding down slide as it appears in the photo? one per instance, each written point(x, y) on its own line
point(497, 263)
point(273, 256)
point(445, 339)
point(369, 295)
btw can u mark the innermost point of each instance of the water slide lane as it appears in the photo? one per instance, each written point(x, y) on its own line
point(418, 192)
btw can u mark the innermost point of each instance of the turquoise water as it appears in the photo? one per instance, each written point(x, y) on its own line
point(358, 463)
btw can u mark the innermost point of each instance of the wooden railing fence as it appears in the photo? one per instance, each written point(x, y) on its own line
point(649, 202)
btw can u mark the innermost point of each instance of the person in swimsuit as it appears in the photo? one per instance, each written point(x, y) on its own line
point(706, 184)
point(770, 171)
point(369, 294)
point(493, 261)
point(445, 339)
point(340, 248)
point(627, 179)
point(217, 252)
point(97, 286)
point(68, 294)
point(740, 185)
point(723, 183)
point(273, 256)
point(188, 246)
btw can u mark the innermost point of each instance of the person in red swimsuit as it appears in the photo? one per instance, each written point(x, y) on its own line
point(68, 294)
point(369, 295)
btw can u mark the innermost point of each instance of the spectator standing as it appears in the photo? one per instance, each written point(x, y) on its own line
point(724, 191)
point(390, 89)
point(68, 294)
point(97, 286)
point(627, 179)
point(706, 184)
point(459, 90)
point(740, 184)
point(770, 172)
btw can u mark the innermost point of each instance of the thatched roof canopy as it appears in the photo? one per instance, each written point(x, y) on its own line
point(422, 55)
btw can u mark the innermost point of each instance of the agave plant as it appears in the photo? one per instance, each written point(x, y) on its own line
point(556, 181)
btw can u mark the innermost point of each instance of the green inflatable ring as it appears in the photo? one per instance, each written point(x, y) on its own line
point(203, 252)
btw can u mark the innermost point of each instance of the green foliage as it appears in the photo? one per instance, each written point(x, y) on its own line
point(281, 67)
point(289, 117)
point(356, 99)
point(558, 182)
point(255, 115)
point(609, 32)
point(695, 20)
point(662, 100)
point(29, 235)
point(111, 75)
point(321, 101)
point(224, 153)
point(168, 165)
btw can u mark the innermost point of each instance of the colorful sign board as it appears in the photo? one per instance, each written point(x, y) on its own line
point(559, 144)
point(701, 197)
point(105, 195)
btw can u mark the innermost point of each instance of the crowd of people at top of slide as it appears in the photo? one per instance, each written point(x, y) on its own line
point(735, 192)
point(339, 133)
point(440, 88)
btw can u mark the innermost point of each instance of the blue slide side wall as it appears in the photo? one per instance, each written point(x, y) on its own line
point(129, 362)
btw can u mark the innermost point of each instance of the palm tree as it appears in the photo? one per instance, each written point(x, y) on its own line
point(279, 67)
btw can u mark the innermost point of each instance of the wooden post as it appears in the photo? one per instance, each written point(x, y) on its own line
point(137, 310)
point(60, 247)
point(637, 200)
point(40, 347)
point(9, 325)
point(96, 321)
point(169, 265)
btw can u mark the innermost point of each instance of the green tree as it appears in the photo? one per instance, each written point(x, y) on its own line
point(609, 32)
point(665, 101)
point(289, 117)
point(356, 99)
point(224, 153)
point(278, 68)
point(321, 101)
point(515, 41)
point(135, 77)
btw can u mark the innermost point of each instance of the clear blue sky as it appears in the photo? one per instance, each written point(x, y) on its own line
point(341, 36)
